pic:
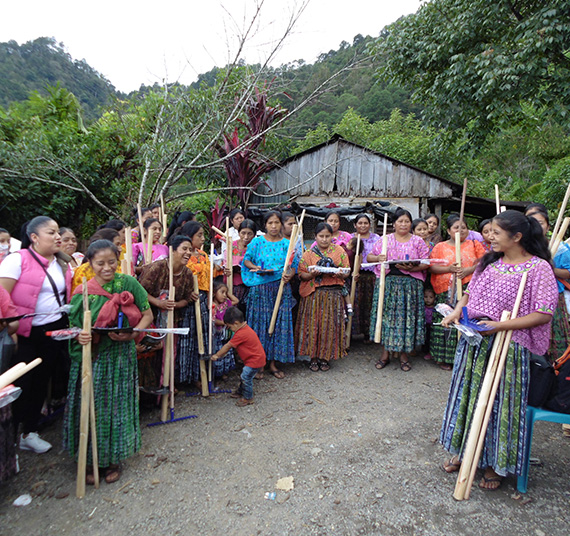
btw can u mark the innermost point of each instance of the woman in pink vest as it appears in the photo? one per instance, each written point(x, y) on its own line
point(38, 279)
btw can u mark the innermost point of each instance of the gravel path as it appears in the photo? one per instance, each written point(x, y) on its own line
point(361, 445)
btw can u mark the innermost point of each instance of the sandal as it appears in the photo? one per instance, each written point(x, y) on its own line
point(451, 466)
point(381, 364)
point(279, 374)
point(314, 366)
point(445, 366)
point(89, 476)
point(406, 366)
point(491, 480)
point(112, 474)
point(323, 365)
point(242, 402)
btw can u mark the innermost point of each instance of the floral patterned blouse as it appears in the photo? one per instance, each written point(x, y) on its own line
point(414, 248)
point(494, 290)
point(199, 263)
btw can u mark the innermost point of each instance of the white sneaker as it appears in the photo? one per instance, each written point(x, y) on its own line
point(34, 443)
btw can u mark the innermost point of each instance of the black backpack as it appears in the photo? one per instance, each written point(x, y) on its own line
point(560, 398)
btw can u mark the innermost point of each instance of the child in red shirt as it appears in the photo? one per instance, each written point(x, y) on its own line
point(249, 347)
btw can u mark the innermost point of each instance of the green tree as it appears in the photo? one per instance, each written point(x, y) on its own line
point(475, 64)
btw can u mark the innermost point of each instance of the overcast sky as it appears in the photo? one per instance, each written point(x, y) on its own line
point(131, 43)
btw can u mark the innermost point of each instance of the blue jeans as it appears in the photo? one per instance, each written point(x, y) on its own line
point(246, 385)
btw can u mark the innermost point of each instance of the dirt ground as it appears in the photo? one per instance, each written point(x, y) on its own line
point(360, 444)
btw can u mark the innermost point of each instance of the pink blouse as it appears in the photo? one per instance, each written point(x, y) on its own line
point(414, 248)
point(494, 290)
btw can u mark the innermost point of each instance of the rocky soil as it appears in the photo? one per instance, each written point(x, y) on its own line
point(360, 444)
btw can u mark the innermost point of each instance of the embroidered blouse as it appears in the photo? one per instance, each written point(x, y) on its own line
point(199, 263)
point(270, 256)
point(336, 254)
point(494, 290)
point(414, 248)
point(366, 247)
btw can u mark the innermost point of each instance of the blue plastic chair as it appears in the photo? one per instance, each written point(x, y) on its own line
point(536, 414)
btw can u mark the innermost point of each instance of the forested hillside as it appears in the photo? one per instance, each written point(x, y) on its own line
point(44, 62)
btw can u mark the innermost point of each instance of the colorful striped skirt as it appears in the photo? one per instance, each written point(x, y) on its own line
point(443, 342)
point(260, 302)
point(505, 443)
point(320, 328)
point(222, 366)
point(403, 318)
point(362, 305)
point(560, 338)
point(187, 367)
point(116, 390)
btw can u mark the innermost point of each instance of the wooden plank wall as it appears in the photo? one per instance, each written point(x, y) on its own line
point(345, 169)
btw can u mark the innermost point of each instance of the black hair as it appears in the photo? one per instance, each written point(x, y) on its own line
point(331, 213)
point(218, 285)
point(432, 216)
point(451, 220)
point(248, 224)
point(233, 315)
point(118, 225)
point(270, 214)
point(285, 215)
point(63, 230)
point(360, 216)
point(401, 212)
point(321, 226)
point(143, 211)
point(32, 227)
point(178, 220)
point(416, 222)
point(153, 206)
point(532, 240)
point(234, 212)
point(537, 208)
point(149, 222)
point(483, 223)
point(190, 228)
point(100, 245)
point(104, 234)
point(179, 239)
point(2, 230)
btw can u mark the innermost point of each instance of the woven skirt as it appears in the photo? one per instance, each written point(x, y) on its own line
point(362, 305)
point(116, 393)
point(403, 318)
point(560, 338)
point(443, 342)
point(505, 442)
point(188, 360)
point(320, 328)
point(260, 302)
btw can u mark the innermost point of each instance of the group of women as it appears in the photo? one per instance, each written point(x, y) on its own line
point(40, 279)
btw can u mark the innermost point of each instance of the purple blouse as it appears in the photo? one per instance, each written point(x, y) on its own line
point(415, 248)
point(494, 290)
point(366, 248)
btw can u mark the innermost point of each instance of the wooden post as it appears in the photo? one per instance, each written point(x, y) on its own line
point(381, 286)
point(141, 231)
point(200, 337)
point(149, 241)
point(463, 197)
point(169, 346)
point(129, 250)
point(484, 407)
point(355, 272)
point(210, 313)
point(458, 262)
point(86, 414)
point(560, 216)
point(290, 250)
point(163, 217)
point(560, 237)
point(18, 370)
point(229, 258)
point(497, 199)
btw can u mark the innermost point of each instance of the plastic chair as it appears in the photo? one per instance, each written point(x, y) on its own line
point(536, 414)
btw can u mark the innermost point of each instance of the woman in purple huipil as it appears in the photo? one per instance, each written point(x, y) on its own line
point(517, 246)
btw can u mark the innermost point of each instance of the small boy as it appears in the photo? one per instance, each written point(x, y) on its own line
point(429, 299)
point(248, 345)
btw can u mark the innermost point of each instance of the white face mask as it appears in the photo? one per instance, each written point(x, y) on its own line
point(4, 248)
